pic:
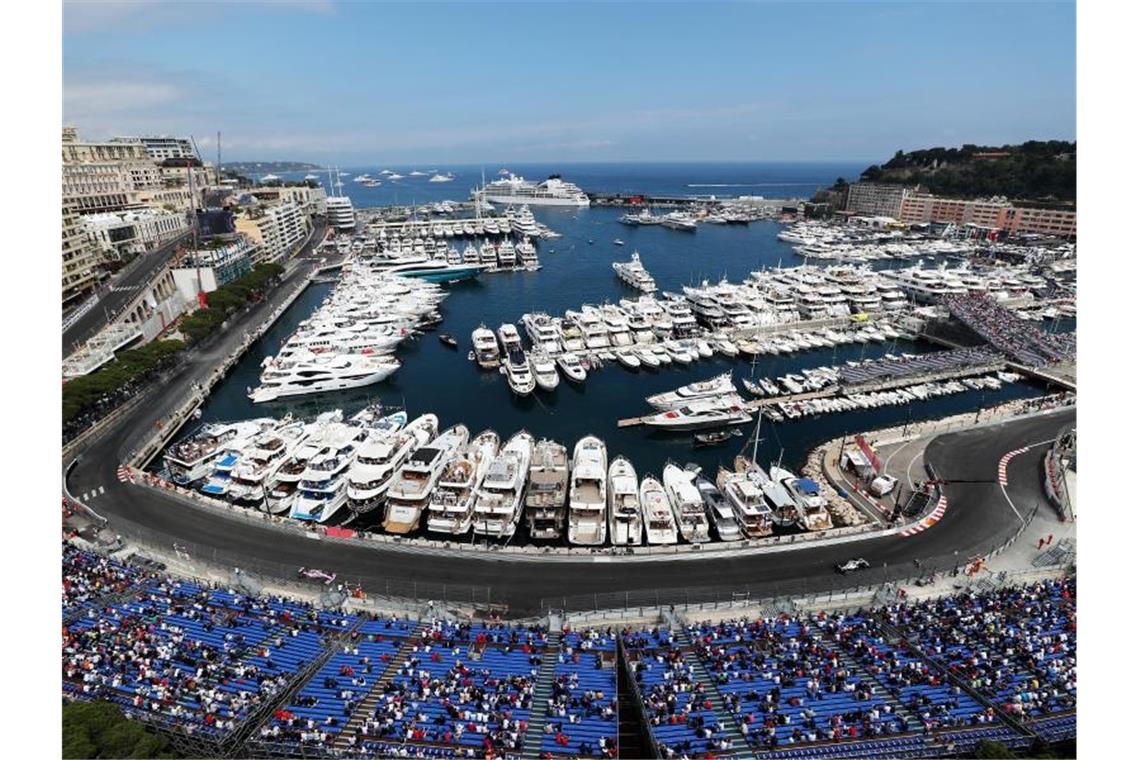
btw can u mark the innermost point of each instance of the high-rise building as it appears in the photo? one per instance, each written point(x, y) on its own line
point(876, 198)
point(162, 148)
point(278, 230)
point(80, 261)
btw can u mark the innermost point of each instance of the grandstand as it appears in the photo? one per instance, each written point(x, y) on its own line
point(226, 673)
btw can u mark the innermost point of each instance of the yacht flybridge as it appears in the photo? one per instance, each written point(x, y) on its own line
point(498, 501)
point(452, 506)
point(588, 493)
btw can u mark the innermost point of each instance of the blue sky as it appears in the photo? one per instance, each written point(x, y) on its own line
point(473, 82)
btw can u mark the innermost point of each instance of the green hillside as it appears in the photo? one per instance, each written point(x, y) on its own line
point(1033, 171)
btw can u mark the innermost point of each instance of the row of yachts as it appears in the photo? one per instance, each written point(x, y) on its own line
point(454, 485)
point(351, 338)
point(644, 333)
point(492, 255)
point(519, 221)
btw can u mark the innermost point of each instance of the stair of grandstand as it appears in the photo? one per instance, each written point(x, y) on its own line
point(366, 706)
point(532, 743)
point(632, 739)
point(712, 694)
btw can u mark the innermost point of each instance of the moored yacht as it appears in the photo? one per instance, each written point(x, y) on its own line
point(720, 385)
point(624, 504)
point(688, 507)
point(660, 525)
point(451, 507)
point(719, 511)
point(747, 501)
point(812, 507)
point(380, 457)
point(486, 347)
point(634, 274)
point(543, 331)
point(546, 491)
point(408, 495)
point(588, 493)
point(261, 460)
point(544, 370)
point(323, 489)
point(721, 411)
point(191, 459)
point(498, 501)
point(317, 373)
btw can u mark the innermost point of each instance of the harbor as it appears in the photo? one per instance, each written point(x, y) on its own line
point(436, 378)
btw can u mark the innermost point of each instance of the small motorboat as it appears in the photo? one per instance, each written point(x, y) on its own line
point(714, 438)
point(619, 241)
point(448, 340)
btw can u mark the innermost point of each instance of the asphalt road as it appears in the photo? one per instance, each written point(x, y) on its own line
point(117, 292)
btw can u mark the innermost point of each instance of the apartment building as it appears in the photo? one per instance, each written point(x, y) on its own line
point(80, 260)
point(278, 230)
point(123, 234)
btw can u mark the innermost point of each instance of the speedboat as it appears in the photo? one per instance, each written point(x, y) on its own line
point(412, 487)
point(546, 491)
point(451, 507)
point(714, 387)
point(646, 356)
point(688, 506)
point(588, 493)
point(660, 525)
point(624, 504)
point(498, 501)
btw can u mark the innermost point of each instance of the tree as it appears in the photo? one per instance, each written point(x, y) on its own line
point(99, 729)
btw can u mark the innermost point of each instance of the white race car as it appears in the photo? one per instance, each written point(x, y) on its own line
point(852, 565)
point(317, 575)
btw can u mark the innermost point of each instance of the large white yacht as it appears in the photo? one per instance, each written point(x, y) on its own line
point(281, 488)
point(452, 505)
point(748, 503)
point(688, 507)
point(660, 525)
point(634, 274)
point(316, 373)
point(720, 385)
point(546, 493)
point(191, 459)
point(498, 500)
point(408, 495)
point(378, 459)
point(323, 489)
point(486, 347)
point(261, 460)
point(624, 504)
point(553, 191)
point(719, 511)
point(588, 493)
point(543, 331)
point(593, 330)
point(813, 514)
point(515, 365)
point(617, 325)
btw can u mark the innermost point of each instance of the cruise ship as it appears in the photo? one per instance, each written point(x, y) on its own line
point(553, 191)
point(412, 487)
point(588, 493)
point(498, 501)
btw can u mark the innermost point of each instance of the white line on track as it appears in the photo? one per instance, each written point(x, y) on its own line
point(1003, 481)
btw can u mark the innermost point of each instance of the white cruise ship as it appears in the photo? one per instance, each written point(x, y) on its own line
point(412, 487)
point(553, 191)
point(498, 501)
point(588, 493)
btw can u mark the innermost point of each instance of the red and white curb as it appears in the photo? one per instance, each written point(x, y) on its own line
point(124, 474)
point(1004, 463)
point(928, 521)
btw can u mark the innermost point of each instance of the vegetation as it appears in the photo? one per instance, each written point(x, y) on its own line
point(114, 381)
point(86, 398)
point(99, 729)
point(229, 298)
point(1036, 170)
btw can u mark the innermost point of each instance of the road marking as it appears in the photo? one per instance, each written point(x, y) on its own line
point(124, 474)
point(909, 477)
point(102, 490)
point(1003, 474)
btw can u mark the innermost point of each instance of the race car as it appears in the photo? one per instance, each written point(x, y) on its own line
point(317, 575)
point(852, 565)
